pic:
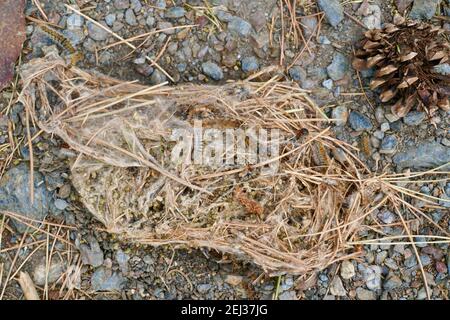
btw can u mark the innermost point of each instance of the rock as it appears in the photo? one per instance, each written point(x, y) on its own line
point(441, 267)
point(166, 25)
point(130, 17)
point(333, 11)
point(55, 270)
point(150, 21)
point(110, 19)
point(15, 195)
point(61, 204)
point(136, 5)
point(372, 277)
point(224, 16)
point(340, 114)
point(393, 282)
point(249, 64)
point(443, 69)
point(75, 21)
point(105, 280)
point(402, 5)
point(157, 77)
point(297, 73)
point(364, 294)
point(373, 21)
point(389, 144)
point(426, 155)
point(359, 122)
point(385, 127)
point(338, 67)
point(212, 70)
point(347, 270)
point(328, 84)
point(239, 26)
point(258, 20)
point(121, 4)
point(423, 9)
point(233, 280)
point(309, 25)
point(386, 216)
point(122, 259)
point(288, 295)
point(337, 287)
point(91, 254)
point(414, 118)
point(96, 33)
point(204, 288)
point(175, 13)
point(324, 40)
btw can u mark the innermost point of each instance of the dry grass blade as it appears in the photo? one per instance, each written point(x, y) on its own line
point(27, 285)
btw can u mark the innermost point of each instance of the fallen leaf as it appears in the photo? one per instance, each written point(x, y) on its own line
point(12, 35)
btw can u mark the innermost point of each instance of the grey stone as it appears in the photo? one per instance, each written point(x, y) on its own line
point(425, 260)
point(372, 277)
point(130, 17)
point(389, 144)
point(297, 73)
point(334, 12)
point(288, 295)
point(393, 282)
point(136, 5)
point(373, 21)
point(239, 26)
point(324, 40)
point(414, 118)
point(212, 70)
point(309, 25)
point(157, 77)
point(364, 294)
point(359, 122)
point(426, 155)
point(15, 195)
point(338, 67)
point(105, 280)
point(121, 4)
point(150, 21)
point(337, 287)
point(224, 16)
point(204, 287)
point(249, 64)
point(122, 259)
point(61, 204)
point(175, 13)
point(96, 33)
point(443, 69)
point(385, 127)
point(386, 216)
point(47, 274)
point(423, 9)
point(166, 25)
point(91, 254)
point(110, 19)
point(75, 21)
point(328, 84)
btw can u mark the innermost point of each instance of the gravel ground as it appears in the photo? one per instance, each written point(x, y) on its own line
point(230, 44)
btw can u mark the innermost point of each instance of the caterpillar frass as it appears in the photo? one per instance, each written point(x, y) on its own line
point(64, 43)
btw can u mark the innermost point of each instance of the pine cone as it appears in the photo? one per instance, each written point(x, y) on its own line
point(404, 55)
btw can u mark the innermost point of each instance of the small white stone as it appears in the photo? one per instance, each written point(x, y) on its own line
point(347, 270)
point(385, 127)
